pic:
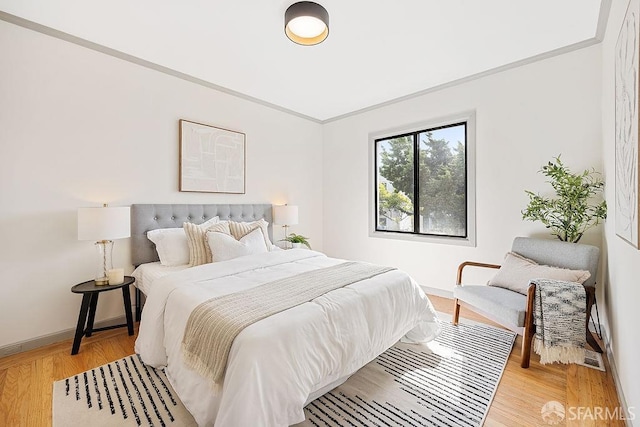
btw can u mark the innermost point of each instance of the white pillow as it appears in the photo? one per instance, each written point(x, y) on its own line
point(225, 247)
point(239, 229)
point(517, 272)
point(172, 244)
point(221, 227)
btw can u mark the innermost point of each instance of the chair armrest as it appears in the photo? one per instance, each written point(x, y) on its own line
point(472, 264)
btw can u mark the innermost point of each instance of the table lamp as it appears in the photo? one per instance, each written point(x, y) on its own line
point(103, 225)
point(285, 216)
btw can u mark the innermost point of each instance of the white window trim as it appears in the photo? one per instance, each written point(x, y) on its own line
point(470, 118)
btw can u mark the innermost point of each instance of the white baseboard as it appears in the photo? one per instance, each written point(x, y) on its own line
point(53, 338)
point(616, 378)
point(437, 292)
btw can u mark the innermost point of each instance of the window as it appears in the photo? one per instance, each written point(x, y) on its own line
point(422, 182)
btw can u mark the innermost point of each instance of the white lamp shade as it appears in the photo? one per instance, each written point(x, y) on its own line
point(104, 223)
point(285, 215)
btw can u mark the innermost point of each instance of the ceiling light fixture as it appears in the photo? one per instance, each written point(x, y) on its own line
point(306, 23)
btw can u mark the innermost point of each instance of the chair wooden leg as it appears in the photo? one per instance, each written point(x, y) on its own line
point(456, 311)
point(591, 299)
point(529, 328)
point(526, 347)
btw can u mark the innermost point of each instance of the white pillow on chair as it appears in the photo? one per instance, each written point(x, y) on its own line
point(517, 272)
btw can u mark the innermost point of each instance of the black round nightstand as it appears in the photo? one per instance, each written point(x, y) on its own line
point(90, 292)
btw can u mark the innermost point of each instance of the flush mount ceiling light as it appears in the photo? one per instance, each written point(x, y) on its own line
point(306, 23)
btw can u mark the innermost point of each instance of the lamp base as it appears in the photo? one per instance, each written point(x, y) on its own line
point(286, 233)
point(104, 249)
point(101, 281)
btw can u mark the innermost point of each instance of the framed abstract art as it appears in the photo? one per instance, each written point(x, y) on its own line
point(212, 159)
point(626, 123)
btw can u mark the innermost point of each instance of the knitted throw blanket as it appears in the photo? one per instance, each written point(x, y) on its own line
point(559, 316)
point(214, 324)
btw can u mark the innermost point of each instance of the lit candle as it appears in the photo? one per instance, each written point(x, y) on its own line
point(116, 276)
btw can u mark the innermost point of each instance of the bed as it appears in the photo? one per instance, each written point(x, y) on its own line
point(280, 363)
point(147, 217)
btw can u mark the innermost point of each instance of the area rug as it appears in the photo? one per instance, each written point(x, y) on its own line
point(448, 382)
point(122, 393)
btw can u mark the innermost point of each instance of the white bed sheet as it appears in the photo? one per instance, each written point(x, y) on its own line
point(146, 274)
point(274, 368)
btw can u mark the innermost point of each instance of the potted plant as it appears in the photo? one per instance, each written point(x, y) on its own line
point(572, 212)
point(297, 240)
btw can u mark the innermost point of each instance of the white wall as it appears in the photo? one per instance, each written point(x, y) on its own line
point(525, 116)
point(623, 278)
point(78, 128)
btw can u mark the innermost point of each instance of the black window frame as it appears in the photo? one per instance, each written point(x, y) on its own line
point(416, 181)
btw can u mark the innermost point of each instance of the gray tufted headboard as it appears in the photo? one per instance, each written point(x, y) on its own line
point(151, 217)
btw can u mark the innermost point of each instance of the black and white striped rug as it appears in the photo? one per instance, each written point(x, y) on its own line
point(121, 393)
point(448, 382)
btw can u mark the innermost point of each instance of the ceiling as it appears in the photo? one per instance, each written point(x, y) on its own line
point(377, 51)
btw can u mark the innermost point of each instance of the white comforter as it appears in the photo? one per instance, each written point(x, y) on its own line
point(276, 364)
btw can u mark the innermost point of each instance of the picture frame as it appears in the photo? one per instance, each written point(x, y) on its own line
point(212, 159)
point(627, 158)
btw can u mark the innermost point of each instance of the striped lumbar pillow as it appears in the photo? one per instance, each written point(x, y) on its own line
point(241, 229)
point(199, 252)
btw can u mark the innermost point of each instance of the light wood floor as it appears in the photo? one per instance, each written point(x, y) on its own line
point(26, 381)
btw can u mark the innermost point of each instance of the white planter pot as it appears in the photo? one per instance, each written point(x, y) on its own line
point(296, 245)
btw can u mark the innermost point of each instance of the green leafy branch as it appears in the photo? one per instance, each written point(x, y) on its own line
point(394, 202)
point(569, 214)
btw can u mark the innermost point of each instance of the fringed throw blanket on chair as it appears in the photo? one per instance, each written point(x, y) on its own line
point(559, 315)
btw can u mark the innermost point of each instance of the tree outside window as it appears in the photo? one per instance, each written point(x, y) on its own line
point(423, 175)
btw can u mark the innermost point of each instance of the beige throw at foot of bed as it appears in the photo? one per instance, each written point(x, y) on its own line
point(213, 325)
